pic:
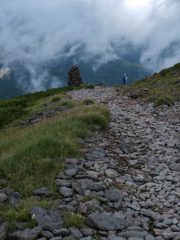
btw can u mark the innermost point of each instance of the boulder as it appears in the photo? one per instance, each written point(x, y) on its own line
point(47, 219)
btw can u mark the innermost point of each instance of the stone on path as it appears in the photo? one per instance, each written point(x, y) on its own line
point(111, 173)
point(75, 232)
point(3, 230)
point(106, 222)
point(27, 234)
point(82, 185)
point(47, 219)
point(114, 195)
point(42, 192)
point(66, 192)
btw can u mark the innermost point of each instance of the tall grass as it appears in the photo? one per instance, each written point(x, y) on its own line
point(22, 151)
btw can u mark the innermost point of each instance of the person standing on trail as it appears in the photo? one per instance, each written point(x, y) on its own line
point(124, 79)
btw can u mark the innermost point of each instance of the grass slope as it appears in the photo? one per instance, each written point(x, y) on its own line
point(33, 157)
point(162, 88)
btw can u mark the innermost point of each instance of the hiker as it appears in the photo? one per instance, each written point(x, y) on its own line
point(146, 77)
point(103, 84)
point(124, 79)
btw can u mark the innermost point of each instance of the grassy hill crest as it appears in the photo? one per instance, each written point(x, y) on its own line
point(161, 88)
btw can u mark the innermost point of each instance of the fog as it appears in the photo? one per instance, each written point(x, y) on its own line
point(37, 31)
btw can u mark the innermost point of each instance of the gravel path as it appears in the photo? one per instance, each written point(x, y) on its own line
point(143, 147)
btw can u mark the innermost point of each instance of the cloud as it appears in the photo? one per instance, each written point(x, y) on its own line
point(37, 31)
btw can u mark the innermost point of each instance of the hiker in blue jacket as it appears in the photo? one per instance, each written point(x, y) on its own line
point(124, 79)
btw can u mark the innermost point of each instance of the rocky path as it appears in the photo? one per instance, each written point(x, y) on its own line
point(143, 150)
point(127, 183)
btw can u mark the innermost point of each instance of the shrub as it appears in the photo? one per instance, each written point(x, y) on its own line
point(164, 72)
point(88, 101)
point(72, 219)
point(56, 99)
point(161, 101)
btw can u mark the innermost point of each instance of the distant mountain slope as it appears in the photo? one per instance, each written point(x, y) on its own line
point(55, 74)
point(8, 87)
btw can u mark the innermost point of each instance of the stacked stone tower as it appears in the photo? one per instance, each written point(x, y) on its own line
point(74, 77)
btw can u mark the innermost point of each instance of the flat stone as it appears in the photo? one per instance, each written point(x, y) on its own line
point(47, 234)
point(62, 183)
point(27, 234)
point(130, 234)
point(88, 140)
point(93, 175)
point(126, 148)
point(70, 172)
point(72, 161)
point(175, 167)
point(3, 230)
point(149, 237)
point(111, 173)
point(82, 208)
point(82, 185)
point(58, 238)
point(61, 232)
point(151, 161)
point(42, 192)
point(93, 205)
point(99, 153)
point(13, 202)
point(88, 157)
point(87, 231)
point(97, 187)
point(106, 222)
point(86, 238)
point(66, 192)
point(75, 232)
point(114, 195)
point(17, 195)
point(70, 237)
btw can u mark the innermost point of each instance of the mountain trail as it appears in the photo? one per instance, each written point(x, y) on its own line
point(143, 148)
point(126, 185)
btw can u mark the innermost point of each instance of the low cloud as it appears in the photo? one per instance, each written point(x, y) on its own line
point(38, 31)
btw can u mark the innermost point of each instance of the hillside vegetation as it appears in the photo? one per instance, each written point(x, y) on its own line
point(161, 88)
point(32, 157)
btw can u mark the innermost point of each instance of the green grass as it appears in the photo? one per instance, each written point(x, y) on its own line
point(21, 213)
point(11, 110)
point(22, 151)
point(89, 198)
point(55, 99)
point(88, 101)
point(72, 219)
point(163, 86)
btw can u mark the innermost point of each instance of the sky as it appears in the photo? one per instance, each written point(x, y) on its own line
point(35, 31)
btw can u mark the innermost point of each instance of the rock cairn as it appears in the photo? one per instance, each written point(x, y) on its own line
point(126, 184)
point(74, 77)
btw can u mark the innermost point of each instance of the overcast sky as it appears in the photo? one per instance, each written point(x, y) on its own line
point(39, 30)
